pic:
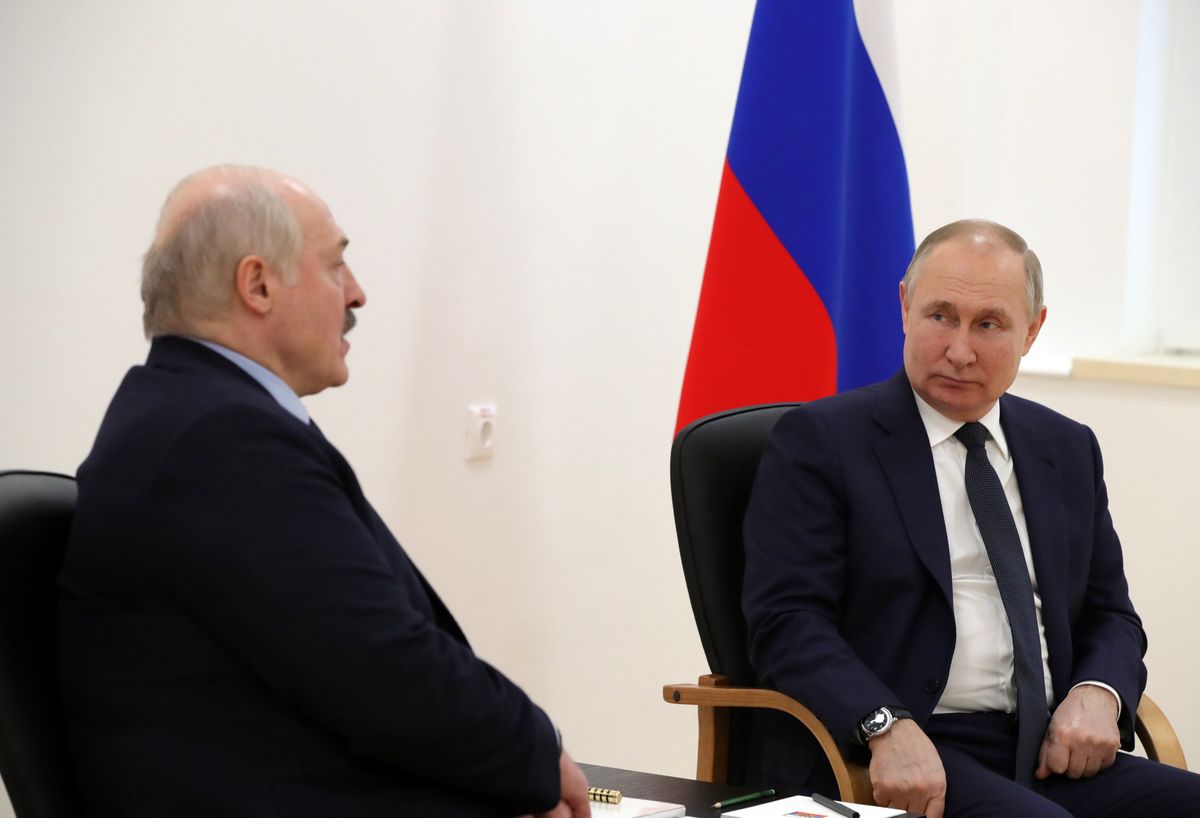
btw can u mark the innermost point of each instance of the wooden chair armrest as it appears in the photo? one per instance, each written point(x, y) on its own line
point(1157, 735)
point(713, 694)
point(853, 779)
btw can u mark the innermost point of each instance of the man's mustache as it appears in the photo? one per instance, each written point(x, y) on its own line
point(350, 322)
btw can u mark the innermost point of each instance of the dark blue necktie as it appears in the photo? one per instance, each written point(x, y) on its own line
point(999, 532)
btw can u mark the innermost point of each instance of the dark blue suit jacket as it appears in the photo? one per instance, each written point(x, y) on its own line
point(847, 590)
point(241, 635)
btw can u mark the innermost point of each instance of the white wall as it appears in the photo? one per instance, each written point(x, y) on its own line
point(1021, 112)
point(529, 188)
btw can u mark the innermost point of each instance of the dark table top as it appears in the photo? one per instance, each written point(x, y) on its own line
point(697, 796)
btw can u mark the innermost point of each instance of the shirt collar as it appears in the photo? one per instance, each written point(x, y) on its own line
point(268, 380)
point(940, 428)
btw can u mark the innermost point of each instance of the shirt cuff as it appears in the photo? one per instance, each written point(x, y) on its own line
point(1106, 687)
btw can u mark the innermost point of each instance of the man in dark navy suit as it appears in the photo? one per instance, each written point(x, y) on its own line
point(240, 633)
point(931, 568)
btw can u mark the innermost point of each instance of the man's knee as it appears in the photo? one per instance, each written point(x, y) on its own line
point(1131, 786)
point(975, 790)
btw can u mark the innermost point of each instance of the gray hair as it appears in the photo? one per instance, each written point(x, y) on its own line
point(1006, 236)
point(188, 275)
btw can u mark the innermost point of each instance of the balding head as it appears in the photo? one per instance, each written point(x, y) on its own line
point(210, 222)
point(982, 232)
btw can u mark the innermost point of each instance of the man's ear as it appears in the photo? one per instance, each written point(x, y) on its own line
point(1034, 329)
point(254, 284)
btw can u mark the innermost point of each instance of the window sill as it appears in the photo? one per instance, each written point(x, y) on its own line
point(1181, 371)
point(1150, 370)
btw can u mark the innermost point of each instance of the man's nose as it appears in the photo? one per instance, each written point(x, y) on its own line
point(960, 352)
point(355, 295)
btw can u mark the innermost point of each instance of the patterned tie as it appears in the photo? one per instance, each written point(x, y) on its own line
point(995, 521)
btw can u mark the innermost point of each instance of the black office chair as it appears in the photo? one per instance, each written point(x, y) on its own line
point(35, 519)
point(713, 464)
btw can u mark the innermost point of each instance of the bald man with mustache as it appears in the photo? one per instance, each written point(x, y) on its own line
point(240, 634)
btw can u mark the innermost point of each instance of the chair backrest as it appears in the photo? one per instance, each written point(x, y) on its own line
point(35, 520)
point(713, 464)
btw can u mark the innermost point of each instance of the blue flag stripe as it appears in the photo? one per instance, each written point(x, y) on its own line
point(817, 151)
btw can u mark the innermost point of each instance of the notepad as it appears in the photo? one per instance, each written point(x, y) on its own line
point(638, 808)
point(801, 806)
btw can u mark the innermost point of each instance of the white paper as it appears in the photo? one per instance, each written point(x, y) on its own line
point(800, 806)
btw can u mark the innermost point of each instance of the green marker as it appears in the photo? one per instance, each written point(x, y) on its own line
point(741, 799)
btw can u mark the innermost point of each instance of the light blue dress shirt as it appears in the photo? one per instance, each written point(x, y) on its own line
point(280, 391)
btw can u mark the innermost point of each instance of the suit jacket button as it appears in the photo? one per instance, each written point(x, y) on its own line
point(932, 686)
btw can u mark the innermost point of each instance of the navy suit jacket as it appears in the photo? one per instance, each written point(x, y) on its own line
point(241, 635)
point(847, 590)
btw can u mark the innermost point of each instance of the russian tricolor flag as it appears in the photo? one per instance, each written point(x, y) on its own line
point(813, 227)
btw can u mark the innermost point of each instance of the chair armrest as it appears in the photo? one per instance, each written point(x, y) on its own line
point(853, 779)
point(1157, 735)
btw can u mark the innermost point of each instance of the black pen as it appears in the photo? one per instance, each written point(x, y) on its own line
point(829, 803)
point(741, 799)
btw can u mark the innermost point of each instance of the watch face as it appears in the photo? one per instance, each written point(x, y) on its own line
point(877, 722)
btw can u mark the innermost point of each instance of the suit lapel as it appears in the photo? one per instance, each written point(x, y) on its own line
point(349, 480)
point(441, 613)
point(176, 353)
point(1045, 518)
point(906, 460)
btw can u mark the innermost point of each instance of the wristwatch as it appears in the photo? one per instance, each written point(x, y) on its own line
point(880, 721)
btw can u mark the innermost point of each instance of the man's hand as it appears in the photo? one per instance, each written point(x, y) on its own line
point(1082, 738)
point(906, 771)
point(574, 801)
